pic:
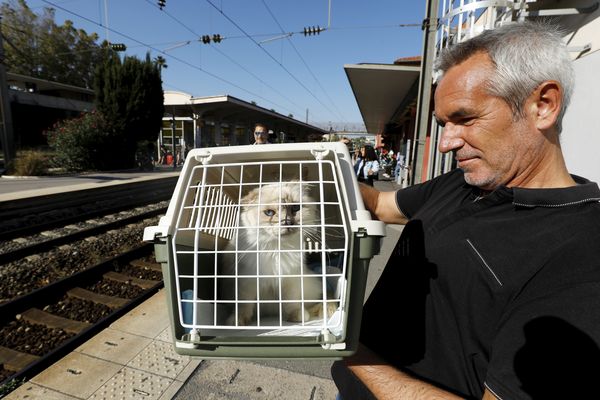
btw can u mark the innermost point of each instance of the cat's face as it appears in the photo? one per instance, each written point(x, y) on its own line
point(279, 209)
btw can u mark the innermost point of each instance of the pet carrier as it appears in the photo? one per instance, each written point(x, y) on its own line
point(265, 251)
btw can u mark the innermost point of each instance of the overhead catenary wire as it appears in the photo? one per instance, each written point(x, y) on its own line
point(213, 75)
point(173, 44)
point(270, 56)
point(339, 114)
point(226, 56)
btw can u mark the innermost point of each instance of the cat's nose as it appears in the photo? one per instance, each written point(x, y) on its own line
point(287, 221)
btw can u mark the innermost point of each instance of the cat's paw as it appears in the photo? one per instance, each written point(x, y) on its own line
point(297, 314)
point(316, 311)
point(242, 320)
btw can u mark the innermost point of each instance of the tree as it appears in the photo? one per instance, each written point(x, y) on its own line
point(161, 62)
point(129, 95)
point(36, 46)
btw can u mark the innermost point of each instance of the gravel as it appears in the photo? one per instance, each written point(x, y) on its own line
point(31, 338)
point(78, 310)
point(22, 276)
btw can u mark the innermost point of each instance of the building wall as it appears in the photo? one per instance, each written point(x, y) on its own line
point(581, 132)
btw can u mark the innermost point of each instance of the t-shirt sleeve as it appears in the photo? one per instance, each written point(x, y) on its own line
point(548, 347)
point(410, 199)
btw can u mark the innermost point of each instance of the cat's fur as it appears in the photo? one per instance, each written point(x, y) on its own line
point(274, 248)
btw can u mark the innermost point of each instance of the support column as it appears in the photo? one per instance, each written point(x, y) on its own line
point(424, 100)
point(7, 138)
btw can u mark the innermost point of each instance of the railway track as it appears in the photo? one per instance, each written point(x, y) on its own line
point(40, 327)
point(65, 278)
point(16, 248)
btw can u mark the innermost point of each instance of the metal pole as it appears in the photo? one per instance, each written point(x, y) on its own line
point(173, 139)
point(7, 138)
point(425, 80)
point(106, 21)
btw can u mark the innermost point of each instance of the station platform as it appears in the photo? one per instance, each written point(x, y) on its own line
point(20, 187)
point(134, 358)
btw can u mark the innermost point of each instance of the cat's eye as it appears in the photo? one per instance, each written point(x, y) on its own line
point(295, 208)
point(269, 213)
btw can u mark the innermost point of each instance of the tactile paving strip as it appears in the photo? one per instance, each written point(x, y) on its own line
point(159, 358)
point(130, 383)
point(165, 336)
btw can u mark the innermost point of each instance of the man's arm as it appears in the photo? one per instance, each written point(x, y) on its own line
point(382, 205)
point(386, 382)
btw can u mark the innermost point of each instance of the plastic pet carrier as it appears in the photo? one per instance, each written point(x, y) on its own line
point(265, 251)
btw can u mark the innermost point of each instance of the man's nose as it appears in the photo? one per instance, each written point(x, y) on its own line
point(451, 138)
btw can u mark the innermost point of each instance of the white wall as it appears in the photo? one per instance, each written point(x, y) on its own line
point(581, 125)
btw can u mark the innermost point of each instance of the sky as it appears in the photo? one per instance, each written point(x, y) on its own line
point(263, 57)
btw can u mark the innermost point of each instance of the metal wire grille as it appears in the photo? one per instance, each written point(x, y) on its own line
point(262, 246)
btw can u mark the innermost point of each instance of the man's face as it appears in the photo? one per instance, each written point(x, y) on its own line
point(261, 134)
point(491, 145)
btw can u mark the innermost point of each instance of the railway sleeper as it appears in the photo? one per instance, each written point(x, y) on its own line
point(145, 264)
point(15, 361)
point(110, 301)
point(122, 278)
point(37, 316)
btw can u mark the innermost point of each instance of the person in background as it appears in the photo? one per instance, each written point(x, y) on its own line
point(367, 166)
point(495, 280)
point(355, 158)
point(261, 134)
point(163, 155)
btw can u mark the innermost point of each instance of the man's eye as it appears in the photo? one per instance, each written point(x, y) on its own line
point(269, 213)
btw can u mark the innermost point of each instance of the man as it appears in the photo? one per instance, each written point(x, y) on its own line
point(261, 134)
point(495, 281)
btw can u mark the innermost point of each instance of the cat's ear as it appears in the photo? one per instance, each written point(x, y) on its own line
point(251, 197)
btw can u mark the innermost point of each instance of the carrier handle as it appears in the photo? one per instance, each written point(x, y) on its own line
point(319, 153)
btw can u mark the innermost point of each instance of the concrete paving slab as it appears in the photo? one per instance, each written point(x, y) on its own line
point(165, 335)
point(77, 374)
point(149, 319)
point(31, 391)
point(159, 358)
point(114, 345)
point(133, 384)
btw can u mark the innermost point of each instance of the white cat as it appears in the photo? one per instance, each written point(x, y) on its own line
point(270, 244)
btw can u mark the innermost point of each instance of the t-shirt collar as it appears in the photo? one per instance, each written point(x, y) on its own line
point(584, 192)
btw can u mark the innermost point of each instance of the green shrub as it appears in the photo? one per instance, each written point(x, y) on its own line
point(83, 143)
point(30, 163)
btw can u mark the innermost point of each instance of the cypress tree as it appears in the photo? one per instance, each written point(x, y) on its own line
point(129, 95)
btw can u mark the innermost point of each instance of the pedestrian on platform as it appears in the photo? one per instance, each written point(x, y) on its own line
point(261, 134)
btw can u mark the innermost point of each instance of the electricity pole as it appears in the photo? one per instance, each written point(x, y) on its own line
point(7, 137)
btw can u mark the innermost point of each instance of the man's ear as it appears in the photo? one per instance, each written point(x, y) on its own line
point(548, 102)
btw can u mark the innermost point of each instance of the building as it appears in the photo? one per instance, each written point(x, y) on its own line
point(194, 122)
point(37, 104)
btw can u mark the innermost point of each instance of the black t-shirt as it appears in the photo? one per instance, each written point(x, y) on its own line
point(501, 291)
